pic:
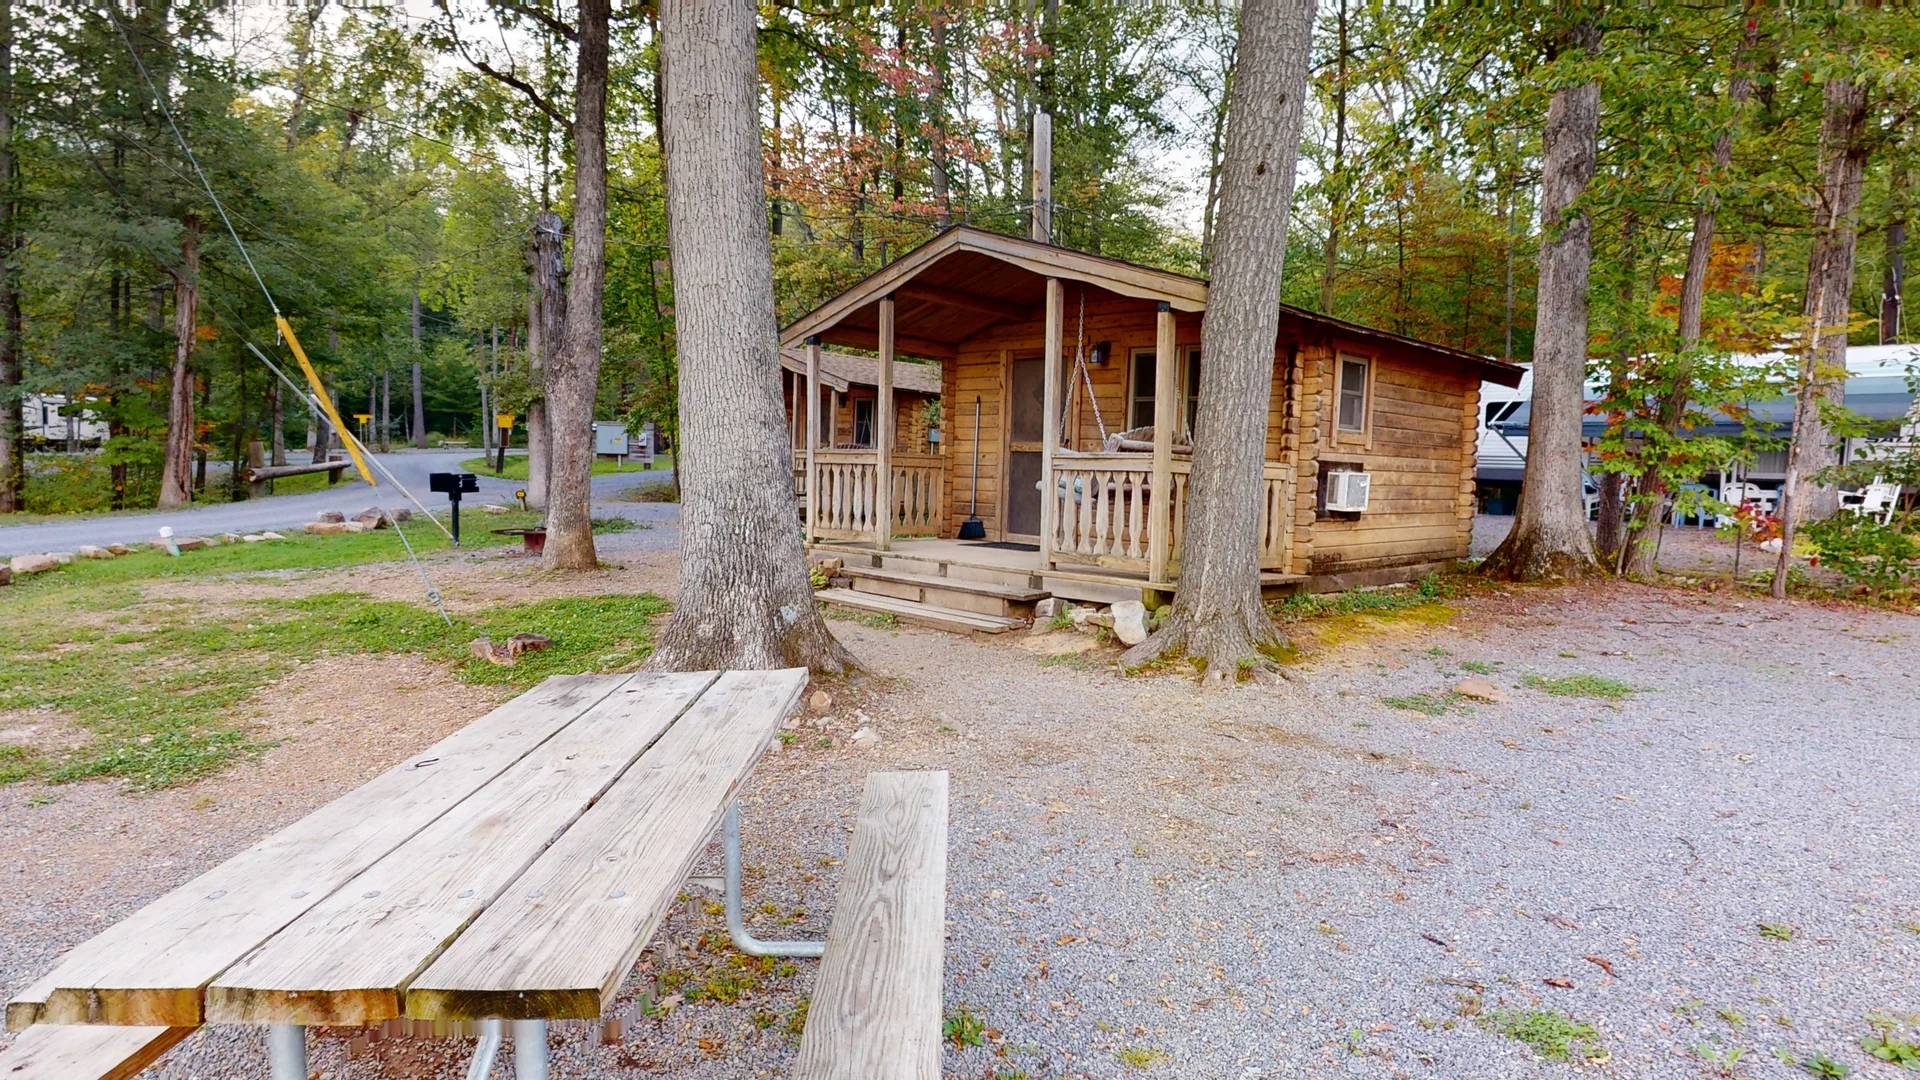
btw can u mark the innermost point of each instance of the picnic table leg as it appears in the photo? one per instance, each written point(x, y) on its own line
point(736, 926)
point(484, 1052)
point(287, 1051)
point(530, 1050)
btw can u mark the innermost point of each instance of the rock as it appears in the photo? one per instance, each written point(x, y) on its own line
point(271, 536)
point(6, 574)
point(120, 549)
point(372, 517)
point(400, 513)
point(820, 701)
point(252, 538)
point(1046, 610)
point(357, 526)
point(229, 538)
point(1480, 690)
point(1080, 615)
point(23, 565)
point(526, 643)
point(866, 738)
point(831, 566)
point(1130, 622)
point(1100, 618)
point(61, 557)
point(88, 551)
point(191, 543)
point(492, 508)
point(330, 515)
point(485, 649)
point(324, 528)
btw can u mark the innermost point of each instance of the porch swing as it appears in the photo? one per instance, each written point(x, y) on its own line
point(1131, 441)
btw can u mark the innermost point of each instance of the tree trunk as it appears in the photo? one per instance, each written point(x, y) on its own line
point(937, 107)
point(176, 474)
point(419, 406)
point(546, 323)
point(1217, 614)
point(572, 376)
point(278, 409)
point(1650, 492)
point(745, 601)
point(1336, 177)
point(1894, 279)
point(1549, 539)
point(1829, 301)
point(13, 446)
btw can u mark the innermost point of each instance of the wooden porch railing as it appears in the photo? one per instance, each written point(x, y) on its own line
point(848, 485)
point(1102, 511)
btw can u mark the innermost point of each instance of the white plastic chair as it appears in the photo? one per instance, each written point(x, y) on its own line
point(1741, 493)
point(1875, 500)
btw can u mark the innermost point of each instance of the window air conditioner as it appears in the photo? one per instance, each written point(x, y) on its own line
point(1347, 490)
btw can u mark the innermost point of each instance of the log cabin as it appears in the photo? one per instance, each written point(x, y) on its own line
point(1068, 388)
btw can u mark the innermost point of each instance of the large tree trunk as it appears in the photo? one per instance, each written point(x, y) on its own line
point(1829, 301)
point(1893, 282)
point(546, 323)
point(1650, 492)
point(573, 373)
point(745, 601)
point(1549, 539)
point(176, 473)
point(278, 409)
point(1217, 614)
point(13, 448)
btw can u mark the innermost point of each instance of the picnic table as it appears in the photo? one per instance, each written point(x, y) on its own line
point(512, 872)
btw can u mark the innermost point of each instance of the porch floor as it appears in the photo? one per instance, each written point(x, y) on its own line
point(1092, 583)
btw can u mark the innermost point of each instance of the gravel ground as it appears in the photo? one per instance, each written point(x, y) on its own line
point(1296, 880)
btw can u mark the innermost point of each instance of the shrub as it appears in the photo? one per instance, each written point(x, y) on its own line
point(1866, 553)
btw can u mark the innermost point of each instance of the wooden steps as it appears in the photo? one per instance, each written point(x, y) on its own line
point(940, 618)
point(985, 597)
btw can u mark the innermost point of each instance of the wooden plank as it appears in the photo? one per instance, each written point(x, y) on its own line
point(151, 967)
point(876, 1007)
point(934, 615)
point(560, 941)
point(86, 1051)
point(1050, 367)
point(346, 961)
point(1165, 407)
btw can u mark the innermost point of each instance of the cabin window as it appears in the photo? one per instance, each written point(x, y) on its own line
point(863, 422)
point(1353, 394)
point(1140, 389)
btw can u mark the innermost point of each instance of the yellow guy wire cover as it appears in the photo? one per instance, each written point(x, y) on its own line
point(326, 402)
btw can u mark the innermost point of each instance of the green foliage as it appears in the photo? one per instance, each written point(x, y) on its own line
point(1480, 667)
point(1886, 1044)
point(963, 1029)
point(1580, 685)
point(1305, 605)
point(1425, 704)
point(1552, 1034)
point(1880, 558)
point(1820, 1065)
point(1771, 931)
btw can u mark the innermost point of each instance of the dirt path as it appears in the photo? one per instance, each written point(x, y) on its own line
point(1288, 881)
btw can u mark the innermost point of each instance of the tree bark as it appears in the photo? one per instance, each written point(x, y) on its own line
point(1893, 282)
point(1649, 491)
point(572, 377)
point(1217, 614)
point(745, 601)
point(176, 474)
point(1549, 539)
point(546, 323)
point(13, 447)
point(1829, 301)
point(1336, 177)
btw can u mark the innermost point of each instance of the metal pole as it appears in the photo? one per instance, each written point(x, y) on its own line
point(736, 926)
point(529, 1049)
point(484, 1053)
point(287, 1051)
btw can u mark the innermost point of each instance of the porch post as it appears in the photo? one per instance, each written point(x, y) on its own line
point(883, 433)
point(1166, 390)
point(813, 436)
point(1050, 427)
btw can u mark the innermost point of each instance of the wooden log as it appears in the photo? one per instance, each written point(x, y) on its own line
point(275, 472)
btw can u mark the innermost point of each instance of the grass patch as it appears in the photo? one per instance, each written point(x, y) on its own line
point(164, 690)
point(1141, 1058)
point(1480, 667)
point(1302, 605)
point(1552, 1034)
point(963, 1029)
point(517, 466)
point(878, 620)
point(1581, 685)
point(1426, 704)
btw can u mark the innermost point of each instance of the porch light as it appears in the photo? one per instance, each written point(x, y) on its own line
point(1101, 350)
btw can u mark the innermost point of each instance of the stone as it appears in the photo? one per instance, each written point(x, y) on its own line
point(88, 551)
point(1046, 610)
point(6, 574)
point(252, 538)
point(1480, 690)
point(831, 566)
point(820, 701)
point(1099, 618)
point(120, 549)
point(330, 515)
point(372, 517)
point(23, 565)
point(229, 538)
point(61, 557)
point(485, 649)
point(271, 536)
point(400, 513)
point(492, 508)
point(357, 526)
point(1130, 622)
point(191, 543)
point(866, 738)
point(526, 643)
point(324, 528)
point(1078, 615)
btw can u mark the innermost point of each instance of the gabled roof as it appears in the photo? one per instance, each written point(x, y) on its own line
point(967, 279)
point(840, 370)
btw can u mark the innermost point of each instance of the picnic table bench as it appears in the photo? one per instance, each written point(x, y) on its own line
point(512, 872)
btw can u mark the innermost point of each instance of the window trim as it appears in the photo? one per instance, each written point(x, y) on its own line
point(1340, 361)
point(873, 411)
point(1187, 405)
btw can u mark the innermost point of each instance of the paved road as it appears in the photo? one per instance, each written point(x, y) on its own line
point(284, 512)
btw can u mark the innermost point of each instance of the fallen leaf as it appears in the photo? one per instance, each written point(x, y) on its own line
point(1564, 984)
point(1563, 922)
point(1600, 962)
